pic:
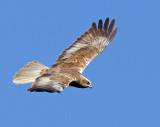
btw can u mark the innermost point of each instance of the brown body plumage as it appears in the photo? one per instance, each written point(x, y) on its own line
point(68, 68)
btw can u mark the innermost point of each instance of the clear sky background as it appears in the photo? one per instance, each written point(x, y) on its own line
point(125, 77)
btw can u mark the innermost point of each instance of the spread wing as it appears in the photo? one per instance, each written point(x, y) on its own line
point(87, 46)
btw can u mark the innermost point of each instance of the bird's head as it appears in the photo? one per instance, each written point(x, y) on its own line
point(85, 83)
point(81, 82)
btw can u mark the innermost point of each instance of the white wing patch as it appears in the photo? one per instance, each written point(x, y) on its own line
point(100, 40)
point(101, 43)
point(73, 49)
point(42, 81)
point(56, 85)
point(46, 82)
point(97, 42)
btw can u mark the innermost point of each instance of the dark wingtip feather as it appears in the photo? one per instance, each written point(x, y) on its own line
point(100, 24)
point(40, 90)
point(108, 29)
point(111, 26)
point(106, 23)
point(94, 25)
point(30, 90)
point(113, 33)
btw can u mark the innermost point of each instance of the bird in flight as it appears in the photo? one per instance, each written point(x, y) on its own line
point(67, 69)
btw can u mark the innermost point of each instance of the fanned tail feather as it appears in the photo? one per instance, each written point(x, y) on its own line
point(29, 73)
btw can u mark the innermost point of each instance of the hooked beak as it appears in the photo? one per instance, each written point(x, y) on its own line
point(90, 86)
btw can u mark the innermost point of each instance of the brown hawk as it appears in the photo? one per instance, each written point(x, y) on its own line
point(67, 69)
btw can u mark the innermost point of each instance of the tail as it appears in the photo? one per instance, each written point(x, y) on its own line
point(29, 73)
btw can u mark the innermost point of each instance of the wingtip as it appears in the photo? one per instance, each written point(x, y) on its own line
point(106, 23)
point(116, 27)
point(100, 24)
point(113, 20)
point(111, 26)
point(113, 33)
point(94, 25)
point(29, 90)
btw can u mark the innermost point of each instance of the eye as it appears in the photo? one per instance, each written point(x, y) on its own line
point(88, 83)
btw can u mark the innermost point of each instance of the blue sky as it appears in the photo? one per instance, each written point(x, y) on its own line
point(125, 78)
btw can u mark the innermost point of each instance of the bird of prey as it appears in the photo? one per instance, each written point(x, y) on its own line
point(67, 69)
